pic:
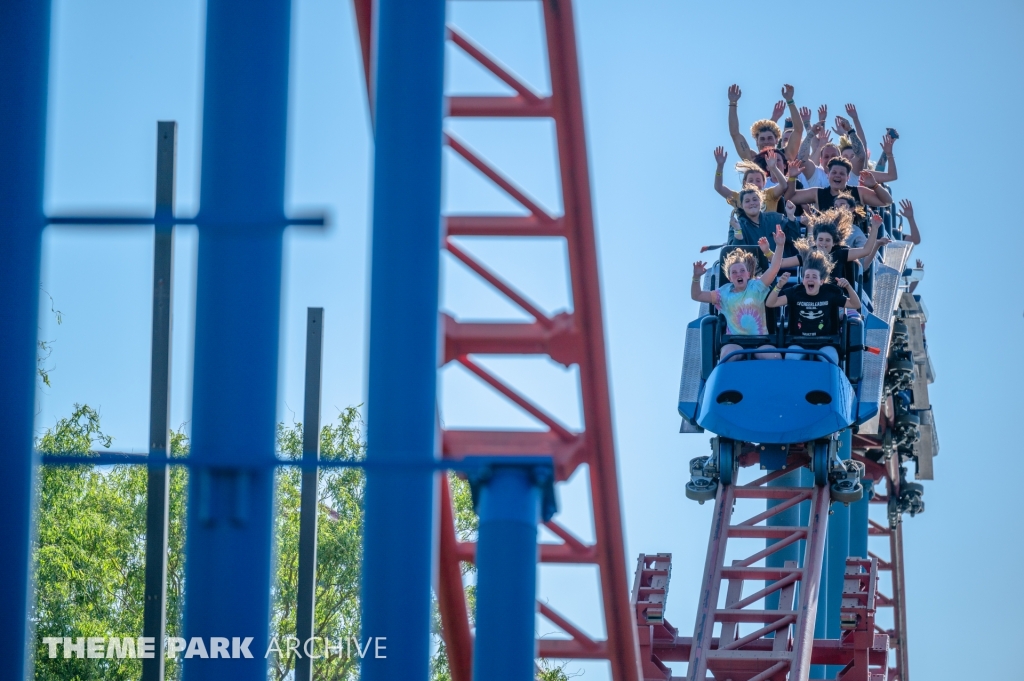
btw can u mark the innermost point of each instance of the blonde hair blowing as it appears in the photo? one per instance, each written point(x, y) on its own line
point(765, 124)
point(740, 256)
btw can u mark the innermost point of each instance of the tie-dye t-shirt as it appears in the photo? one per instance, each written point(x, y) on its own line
point(744, 311)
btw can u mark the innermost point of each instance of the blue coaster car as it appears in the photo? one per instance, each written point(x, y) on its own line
point(776, 401)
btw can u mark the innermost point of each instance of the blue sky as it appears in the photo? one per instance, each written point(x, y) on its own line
point(947, 75)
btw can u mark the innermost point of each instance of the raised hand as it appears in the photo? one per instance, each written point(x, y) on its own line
point(851, 111)
point(867, 179)
point(843, 126)
point(779, 236)
point(887, 143)
point(699, 268)
point(734, 94)
point(794, 170)
point(791, 209)
point(805, 116)
point(787, 92)
point(782, 280)
point(842, 283)
point(876, 220)
point(770, 158)
point(823, 113)
point(825, 136)
point(720, 155)
point(735, 224)
point(763, 244)
point(906, 209)
point(778, 110)
point(920, 264)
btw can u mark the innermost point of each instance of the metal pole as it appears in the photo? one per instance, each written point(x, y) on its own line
point(400, 501)
point(838, 552)
point(24, 64)
point(238, 301)
point(306, 606)
point(899, 584)
point(506, 589)
point(154, 617)
point(821, 616)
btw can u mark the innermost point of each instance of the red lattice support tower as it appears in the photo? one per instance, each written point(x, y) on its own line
point(575, 337)
point(893, 566)
point(771, 651)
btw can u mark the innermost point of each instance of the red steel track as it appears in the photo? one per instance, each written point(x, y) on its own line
point(575, 337)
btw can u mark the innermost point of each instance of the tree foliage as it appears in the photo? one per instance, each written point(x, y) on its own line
point(91, 551)
point(92, 539)
point(339, 545)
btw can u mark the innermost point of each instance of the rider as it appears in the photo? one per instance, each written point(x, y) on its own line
point(742, 300)
point(814, 307)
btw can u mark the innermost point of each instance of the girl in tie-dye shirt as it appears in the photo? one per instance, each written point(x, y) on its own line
point(741, 301)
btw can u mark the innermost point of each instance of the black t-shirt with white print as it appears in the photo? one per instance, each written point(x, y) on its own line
point(815, 315)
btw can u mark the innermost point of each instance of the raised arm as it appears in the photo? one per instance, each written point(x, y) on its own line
point(720, 156)
point(844, 128)
point(804, 154)
point(774, 299)
point(699, 268)
point(868, 249)
point(851, 111)
point(778, 110)
point(852, 300)
point(772, 161)
point(776, 264)
point(798, 126)
point(876, 195)
point(907, 211)
point(889, 175)
point(742, 148)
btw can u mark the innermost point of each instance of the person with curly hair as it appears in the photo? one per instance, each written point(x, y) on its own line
point(741, 301)
point(813, 308)
point(766, 132)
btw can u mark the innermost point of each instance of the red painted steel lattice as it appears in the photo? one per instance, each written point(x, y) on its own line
point(569, 338)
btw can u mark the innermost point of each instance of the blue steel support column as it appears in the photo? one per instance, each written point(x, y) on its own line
point(24, 59)
point(230, 515)
point(838, 552)
point(807, 480)
point(506, 589)
point(788, 518)
point(400, 503)
point(859, 523)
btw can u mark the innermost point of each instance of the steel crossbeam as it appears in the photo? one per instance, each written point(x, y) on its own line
point(569, 338)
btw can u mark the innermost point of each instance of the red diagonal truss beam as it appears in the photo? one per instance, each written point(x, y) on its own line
point(575, 337)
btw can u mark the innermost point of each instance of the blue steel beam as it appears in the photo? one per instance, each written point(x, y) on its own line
point(24, 64)
point(506, 590)
point(789, 518)
point(241, 221)
point(400, 506)
point(838, 552)
point(859, 522)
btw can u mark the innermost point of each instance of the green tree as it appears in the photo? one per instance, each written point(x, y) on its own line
point(339, 545)
point(91, 551)
point(91, 547)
